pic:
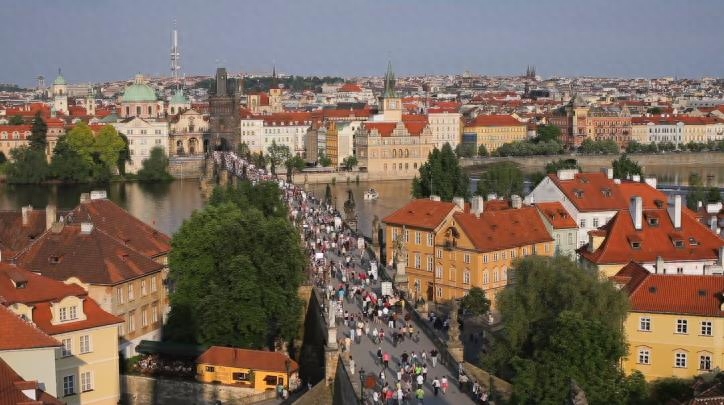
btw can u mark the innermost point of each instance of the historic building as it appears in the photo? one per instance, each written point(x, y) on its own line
point(186, 133)
point(143, 135)
point(561, 226)
point(258, 132)
point(256, 369)
point(224, 113)
point(493, 131)
point(140, 100)
point(578, 122)
point(60, 94)
point(445, 126)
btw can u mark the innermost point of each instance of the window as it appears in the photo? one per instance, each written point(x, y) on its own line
point(681, 326)
point(430, 263)
point(705, 362)
point(438, 292)
point(210, 369)
point(439, 253)
point(486, 278)
point(240, 376)
point(63, 314)
point(706, 328)
point(130, 292)
point(407, 236)
point(451, 274)
point(485, 258)
point(154, 313)
point(119, 295)
point(570, 238)
point(73, 311)
point(131, 323)
point(67, 348)
point(645, 323)
point(143, 287)
point(466, 277)
point(430, 239)
point(679, 270)
point(144, 317)
point(85, 346)
point(644, 356)
point(495, 257)
point(68, 385)
point(495, 276)
point(417, 261)
point(583, 223)
point(417, 237)
point(153, 284)
point(466, 258)
point(680, 360)
point(86, 381)
point(595, 222)
point(438, 272)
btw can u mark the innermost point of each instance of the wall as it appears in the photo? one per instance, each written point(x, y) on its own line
point(324, 178)
point(34, 364)
point(186, 167)
point(136, 390)
point(346, 390)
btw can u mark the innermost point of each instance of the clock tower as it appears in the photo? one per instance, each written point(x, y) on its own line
point(391, 104)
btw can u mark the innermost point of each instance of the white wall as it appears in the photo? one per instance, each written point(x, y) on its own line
point(34, 364)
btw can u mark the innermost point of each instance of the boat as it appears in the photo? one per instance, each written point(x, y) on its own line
point(371, 194)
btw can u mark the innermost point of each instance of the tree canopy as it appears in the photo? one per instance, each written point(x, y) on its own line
point(465, 150)
point(475, 301)
point(277, 155)
point(108, 146)
point(441, 175)
point(561, 323)
point(39, 133)
point(556, 165)
point(700, 193)
point(349, 162)
point(236, 266)
point(28, 166)
point(548, 133)
point(155, 168)
point(68, 165)
point(605, 147)
point(623, 167)
point(501, 178)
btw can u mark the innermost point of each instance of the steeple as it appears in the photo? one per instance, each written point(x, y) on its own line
point(390, 82)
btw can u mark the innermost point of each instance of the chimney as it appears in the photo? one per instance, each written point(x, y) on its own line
point(434, 197)
point(636, 211)
point(86, 228)
point(492, 196)
point(636, 178)
point(651, 181)
point(460, 202)
point(659, 267)
point(567, 174)
point(713, 224)
point(84, 197)
point(608, 171)
point(477, 206)
point(26, 214)
point(675, 212)
point(50, 215)
point(98, 195)
point(515, 201)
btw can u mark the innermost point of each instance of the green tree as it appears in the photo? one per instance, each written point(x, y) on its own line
point(561, 323)
point(16, 120)
point(123, 156)
point(441, 175)
point(155, 168)
point(475, 302)
point(242, 149)
point(555, 166)
point(277, 155)
point(107, 146)
point(294, 164)
point(465, 150)
point(324, 160)
point(67, 165)
point(81, 139)
point(548, 133)
point(501, 178)
point(623, 167)
point(3, 158)
point(483, 151)
point(654, 110)
point(27, 166)
point(39, 134)
point(349, 162)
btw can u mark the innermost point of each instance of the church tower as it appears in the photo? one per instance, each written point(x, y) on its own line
point(275, 93)
point(391, 103)
point(90, 101)
point(60, 94)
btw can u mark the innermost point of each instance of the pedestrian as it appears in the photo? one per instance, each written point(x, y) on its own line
point(420, 395)
point(386, 359)
point(351, 365)
point(420, 381)
point(444, 384)
point(375, 397)
point(424, 372)
point(423, 356)
point(351, 335)
point(435, 386)
point(433, 357)
point(375, 335)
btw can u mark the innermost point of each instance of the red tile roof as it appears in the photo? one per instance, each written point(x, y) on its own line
point(21, 129)
point(630, 276)
point(415, 128)
point(384, 128)
point(494, 121)
point(24, 334)
point(421, 213)
point(592, 192)
point(14, 236)
point(95, 317)
point(672, 120)
point(350, 88)
point(37, 288)
point(12, 387)
point(245, 358)
point(557, 215)
point(503, 229)
point(678, 294)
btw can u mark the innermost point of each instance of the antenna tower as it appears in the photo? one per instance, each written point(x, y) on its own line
point(175, 54)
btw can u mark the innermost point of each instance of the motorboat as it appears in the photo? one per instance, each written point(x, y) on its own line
point(371, 194)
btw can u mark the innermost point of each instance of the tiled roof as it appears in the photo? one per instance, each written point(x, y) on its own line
point(12, 128)
point(503, 229)
point(14, 236)
point(699, 243)
point(245, 358)
point(652, 197)
point(421, 213)
point(37, 288)
point(384, 128)
point(24, 334)
point(673, 120)
point(350, 88)
point(591, 192)
point(94, 258)
point(12, 387)
point(557, 215)
point(118, 223)
point(630, 276)
point(678, 294)
point(415, 128)
point(496, 120)
point(95, 317)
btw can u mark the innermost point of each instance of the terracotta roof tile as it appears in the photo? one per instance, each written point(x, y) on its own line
point(12, 386)
point(502, 229)
point(678, 294)
point(245, 358)
point(384, 128)
point(350, 88)
point(421, 213)
point(24, 334)
point(36, 288)
point(630, 276)
point(14, 236)
point(494, 121)
point(95, 317)
point(557, 215)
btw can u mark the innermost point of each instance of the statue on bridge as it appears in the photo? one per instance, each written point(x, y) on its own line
point(349, 210)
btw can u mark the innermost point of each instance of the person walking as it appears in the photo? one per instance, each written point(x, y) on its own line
point(386, 359)
point(420, 381)
point(435, 386)
point(444, 384)
point(351, 365)
point(420, 395)
point(433, 357)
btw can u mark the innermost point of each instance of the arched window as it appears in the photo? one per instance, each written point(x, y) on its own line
point(150, 110)
point(138, 110)
point(394, 153)
point(128, 111)
point(407, 153)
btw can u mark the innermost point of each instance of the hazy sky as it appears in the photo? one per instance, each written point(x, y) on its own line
point(109, 40)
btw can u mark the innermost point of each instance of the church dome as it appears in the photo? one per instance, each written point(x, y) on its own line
point(179, 98)
point(60, 80)
point(139, 92)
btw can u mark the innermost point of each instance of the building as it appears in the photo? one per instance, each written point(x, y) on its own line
point(493, 131)
point(578, 122)
point(676, 129)
point(674, 323)
point(224, 113)
point(60, 94)
point(186, 133)
point(16, 390)
point(445, 126)
point(140, 100)
point(178, 103)
point(86, 364)
point(288, 129)
point(143, 135)
point(452, 247)
point(256, 369)
point(561, 226)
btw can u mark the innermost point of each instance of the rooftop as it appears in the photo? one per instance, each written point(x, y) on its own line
point(245, 358)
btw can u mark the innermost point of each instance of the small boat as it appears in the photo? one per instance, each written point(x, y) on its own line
point(371, 194)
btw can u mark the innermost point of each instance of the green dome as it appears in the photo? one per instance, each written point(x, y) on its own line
point(60, 80)
point(138, 92)
point(179, 98)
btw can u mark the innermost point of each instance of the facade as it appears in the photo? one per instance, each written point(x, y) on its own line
point(178, 103)
point(140, 100)
point(561, 226)
point(446, 127)
point(493, 131)
point(673, 324)
point(288, 129)
point(60, 94)
point(186, 133)
point(256, 369)
point(143, 135)
point(345, 140)
point(578, 122)
point(224, 113)
point(676, 129)
point(13, 136)
point(17, 390)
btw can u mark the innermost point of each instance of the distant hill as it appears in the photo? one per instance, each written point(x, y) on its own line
point(11, 87)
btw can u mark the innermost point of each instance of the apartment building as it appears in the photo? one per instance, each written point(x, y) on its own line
point(493, 131)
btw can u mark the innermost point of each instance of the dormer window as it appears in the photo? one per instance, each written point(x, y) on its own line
point(653, 221)
point(636, 245)
point(679, 243)
point(692, 241)
point(21, 284)
point(54, 259)
point(606, 192)
point(578, 193)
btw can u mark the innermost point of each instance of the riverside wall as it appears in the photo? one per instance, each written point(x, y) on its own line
point(138, 390)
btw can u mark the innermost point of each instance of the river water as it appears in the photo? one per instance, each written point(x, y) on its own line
point(166, 205)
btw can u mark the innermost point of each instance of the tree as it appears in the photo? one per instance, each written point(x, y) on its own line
point(81, 139)
point(623, 167)
point(123, 156)
point(441, 175)
point(67, 165)
point(277, 155)
point(548, 133)
point(39, 134)
point(155, 168)
point(483, 151)
point(28, 166)
point(349, 162)
point(294, 164)
point(476, 302)
point(654, 111)
point(243, 149)
point(16, 120)
point(604, 146)
point(501, 178)
point(561, 323)
point(324, 160)
point(465, 150)
point(555, 166)
point(3, 158)
point(108, 146)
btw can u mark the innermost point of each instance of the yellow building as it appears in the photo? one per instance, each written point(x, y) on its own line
point(675, 325)
point(452, 247)
point(493, 131)
point(256, 369)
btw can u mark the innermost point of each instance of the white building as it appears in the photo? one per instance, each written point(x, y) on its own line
point(143, 135)
point(284, 129)
point(445, 127)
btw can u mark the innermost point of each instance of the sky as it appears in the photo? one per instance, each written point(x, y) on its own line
point(94, 41)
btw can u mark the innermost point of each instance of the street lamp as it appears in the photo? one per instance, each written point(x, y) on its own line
point(361, 385)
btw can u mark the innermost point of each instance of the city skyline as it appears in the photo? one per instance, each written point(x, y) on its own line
point(320, 37)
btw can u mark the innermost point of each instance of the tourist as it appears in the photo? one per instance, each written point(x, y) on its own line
point(444, 384)
point(433, 357)
point(420, 395)
point(351, 365)
point(420, 381)
point(435, 386)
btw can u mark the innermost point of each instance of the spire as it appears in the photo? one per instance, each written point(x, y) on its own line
point(390, 82)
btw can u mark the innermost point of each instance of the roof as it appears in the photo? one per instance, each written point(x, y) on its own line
point(503, 229)
point(37, 288)
point(14, 128)
point(496, 120)
point(25, 335)
point(630, 276)
point(350, 88)
point(12, 387)
point(179, 98)
point(60, 80)
point(699, 243)
point(246, 358)
point(95, 317)
point(14, 236)
point(678, 294)
point(139, 92)
point(557, 215)
point(421, 213)
point(384, 128)
point(594, 191)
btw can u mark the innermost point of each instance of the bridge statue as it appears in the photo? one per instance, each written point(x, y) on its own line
point(349, 210)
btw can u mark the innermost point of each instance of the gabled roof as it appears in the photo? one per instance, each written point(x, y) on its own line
point(36, 288)
point(384, 128)
point(496, 120)
point(350, 88)
point(24, 335)
point(630, 276)
point(591, 192)
point(95, 317)
point(245, 358)
point(503, 229)
point(557, 215)
point(12, 387)
point(421, 213)
point(14, 236)
point(678, 294)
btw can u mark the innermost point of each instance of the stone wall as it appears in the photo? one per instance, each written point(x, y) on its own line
point(324, 178)
point(346, 390)
point(186, 167)
point(137, 390)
